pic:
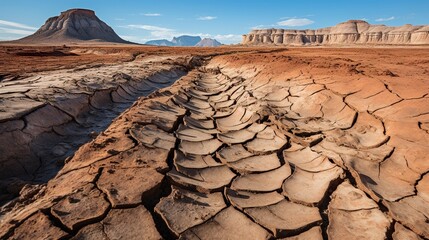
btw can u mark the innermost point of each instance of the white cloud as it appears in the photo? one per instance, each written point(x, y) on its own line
point(206, 18)
point(154, 31)
point(385, 19)
point(15, 31)
point(13, 28)
point(148, 27)
point(16, 25)
point(290, 22)
point(228, 38)
point(258, 27)
point(130, 37)
point(263, 26)
point(296, 22)
point(288, 17)
point(7, 38)
point(152, 14)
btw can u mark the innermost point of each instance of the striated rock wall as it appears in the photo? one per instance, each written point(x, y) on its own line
point(350, 32)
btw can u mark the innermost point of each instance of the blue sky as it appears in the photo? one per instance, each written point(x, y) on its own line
point(225, 20)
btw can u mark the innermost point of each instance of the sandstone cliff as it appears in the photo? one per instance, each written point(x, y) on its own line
point(350, 32)
point(74, 25)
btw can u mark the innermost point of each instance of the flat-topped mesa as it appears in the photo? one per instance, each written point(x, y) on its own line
point(66, 14)
point(66, 19)
point(74, 25)
point(82, 11)
point(350, 32)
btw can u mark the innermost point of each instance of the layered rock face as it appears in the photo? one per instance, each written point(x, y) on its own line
point(74, 25)
point(350, 32)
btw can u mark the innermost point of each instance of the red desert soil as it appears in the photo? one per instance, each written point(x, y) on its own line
point(24, 59)
point(260, 143)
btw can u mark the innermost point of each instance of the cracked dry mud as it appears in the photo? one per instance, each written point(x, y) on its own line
point(46, 117)
point(232, 152)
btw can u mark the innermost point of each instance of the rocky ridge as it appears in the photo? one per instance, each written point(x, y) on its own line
point(350, 32)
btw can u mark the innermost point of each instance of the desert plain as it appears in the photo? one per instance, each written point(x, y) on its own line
point(138, 142)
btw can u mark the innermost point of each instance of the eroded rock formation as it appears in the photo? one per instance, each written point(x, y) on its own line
point(350, 32)
point(74, 25)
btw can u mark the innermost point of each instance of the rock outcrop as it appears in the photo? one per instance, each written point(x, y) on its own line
point(208, 42)
point(74, 25)
point(350, 32)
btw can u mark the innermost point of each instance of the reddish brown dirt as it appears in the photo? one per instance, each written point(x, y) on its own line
point(297, 143)
point(24, 59)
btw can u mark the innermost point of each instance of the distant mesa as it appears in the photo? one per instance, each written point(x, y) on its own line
point(350, 32)
point(208, 42)
point(161, 42)
point(74, 25)
point(186, 41)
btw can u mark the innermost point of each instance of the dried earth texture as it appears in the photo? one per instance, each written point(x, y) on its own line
point(45, 116)
point(259, 144)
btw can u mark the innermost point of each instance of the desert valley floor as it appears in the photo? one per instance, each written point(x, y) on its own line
point(121, 142)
